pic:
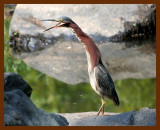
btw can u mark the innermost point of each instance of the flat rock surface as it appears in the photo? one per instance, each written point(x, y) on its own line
point(67, 62)
point(143, 117)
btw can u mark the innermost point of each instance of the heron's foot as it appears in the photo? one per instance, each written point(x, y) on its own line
point(101, 110)
point(102, 107)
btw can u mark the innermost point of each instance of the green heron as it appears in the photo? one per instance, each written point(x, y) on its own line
point(100, 79)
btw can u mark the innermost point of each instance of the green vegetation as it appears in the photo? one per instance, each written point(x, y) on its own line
point(52, 95)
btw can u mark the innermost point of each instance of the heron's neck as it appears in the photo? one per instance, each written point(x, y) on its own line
point(92, 51)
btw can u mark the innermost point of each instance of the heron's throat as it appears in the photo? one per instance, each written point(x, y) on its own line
point(92, 51)
point(82, 37)
point(78, 32)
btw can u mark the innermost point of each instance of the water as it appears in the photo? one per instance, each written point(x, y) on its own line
point(63, 98)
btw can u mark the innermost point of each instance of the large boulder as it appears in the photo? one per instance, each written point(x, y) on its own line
point(19, 109)
point(59, 54)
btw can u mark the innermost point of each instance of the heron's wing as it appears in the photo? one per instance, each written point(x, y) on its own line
point(105, 83)
point(103, 79)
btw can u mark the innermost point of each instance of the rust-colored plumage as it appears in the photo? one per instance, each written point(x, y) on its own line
point(91, 48)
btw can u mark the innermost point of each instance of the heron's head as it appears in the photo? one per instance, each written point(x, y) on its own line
point(61, 22)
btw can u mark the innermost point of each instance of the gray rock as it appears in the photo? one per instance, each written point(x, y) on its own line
point(19, 109)
point(144, 117)
point(14, 81)
point(107, 21)
point(58, 53)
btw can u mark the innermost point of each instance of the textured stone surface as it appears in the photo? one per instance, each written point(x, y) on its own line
point(144, 117)
point(58, 53)
point(107, 20)
point(19, 109)
point(14, 81)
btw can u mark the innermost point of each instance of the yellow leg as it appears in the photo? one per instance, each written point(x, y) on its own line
point(102, 107)
point(103, 111)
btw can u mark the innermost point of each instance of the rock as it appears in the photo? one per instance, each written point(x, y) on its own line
point(19, 109)
point(14, 81)
point(144, 117)
point(58, 52)
point(108, 20)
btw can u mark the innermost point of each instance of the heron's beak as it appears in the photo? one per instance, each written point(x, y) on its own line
point(60, 24)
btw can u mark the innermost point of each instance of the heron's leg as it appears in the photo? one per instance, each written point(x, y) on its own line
point(103, 102)
point(102, 107)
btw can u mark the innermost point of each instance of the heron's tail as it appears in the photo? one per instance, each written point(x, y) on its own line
point(115, 97)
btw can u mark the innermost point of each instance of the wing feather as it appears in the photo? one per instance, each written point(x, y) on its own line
point(105, 83)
